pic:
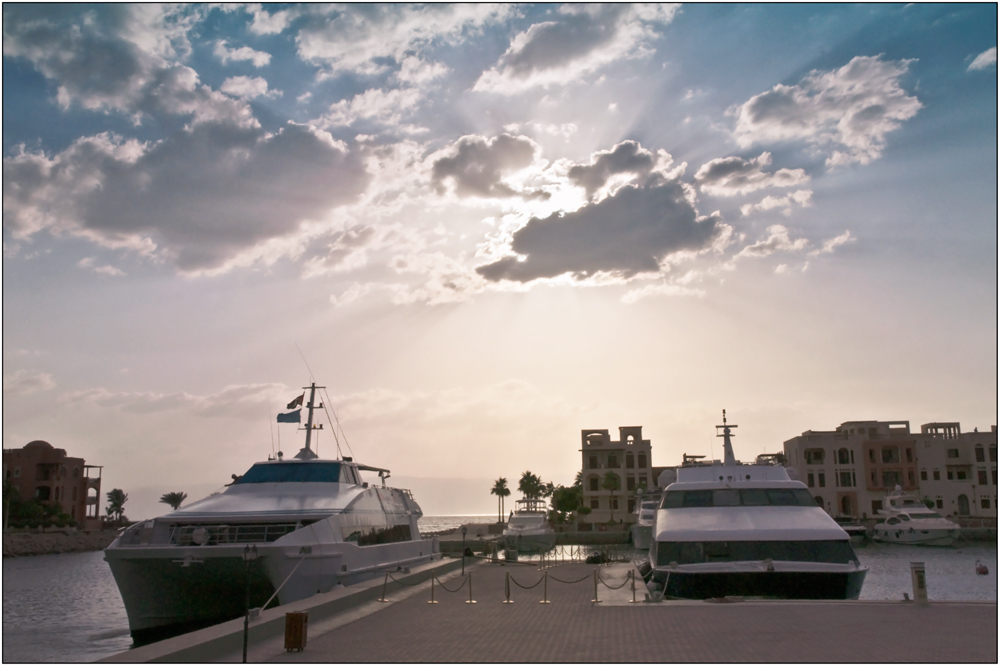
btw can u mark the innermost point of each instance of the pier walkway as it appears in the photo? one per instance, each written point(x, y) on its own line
point(572, 629)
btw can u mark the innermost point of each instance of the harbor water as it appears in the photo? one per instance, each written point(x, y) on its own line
point(66, 608)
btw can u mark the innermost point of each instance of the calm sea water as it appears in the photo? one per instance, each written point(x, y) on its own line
point(66, 608)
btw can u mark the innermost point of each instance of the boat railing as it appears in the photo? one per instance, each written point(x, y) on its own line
point(213, 535)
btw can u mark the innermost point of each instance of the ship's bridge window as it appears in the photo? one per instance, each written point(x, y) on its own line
point(688, 499)
point(904, 517)
point(292, 472)
point(694, 552)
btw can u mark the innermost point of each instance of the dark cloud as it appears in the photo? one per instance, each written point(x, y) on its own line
point(202, 197)
point(626, 157)
point(478, 165)
point(627, 233)
point(728, 176)
point(556, 43)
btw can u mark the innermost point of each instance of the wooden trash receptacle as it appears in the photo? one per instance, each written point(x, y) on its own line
point(296, 628)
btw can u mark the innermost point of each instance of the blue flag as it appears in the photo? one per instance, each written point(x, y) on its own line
point(291, 417)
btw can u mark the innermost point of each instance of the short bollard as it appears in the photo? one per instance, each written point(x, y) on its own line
point(384, 584)
point(506, 585)
point(595, 600)
point(470, 601)
point(296, 628)
point(919, 577)
point(545, 589)
point(432, 592)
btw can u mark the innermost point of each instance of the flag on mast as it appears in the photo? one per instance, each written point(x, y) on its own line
point(295, 403)
point(291, 417)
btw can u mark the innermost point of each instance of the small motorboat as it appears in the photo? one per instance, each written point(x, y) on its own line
point(909, 521)
point(528, 529)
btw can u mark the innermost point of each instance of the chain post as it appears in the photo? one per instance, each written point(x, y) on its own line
point(506, 583)
point(595, 600)
point(432, 591)
point(631, 574)
point(384, 585)
point(545, 589)
point(470, 601)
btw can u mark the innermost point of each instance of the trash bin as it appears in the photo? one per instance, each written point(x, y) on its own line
point(296, 628)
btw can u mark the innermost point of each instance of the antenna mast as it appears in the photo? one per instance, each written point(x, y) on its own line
point(727, 444)
point(306, 453)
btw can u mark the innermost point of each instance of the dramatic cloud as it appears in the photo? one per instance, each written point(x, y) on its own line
point(985, 60)
point(117, 63)
point(200, 198)
point(627, 159)
point(579, 40)
point(244, 53)
point(776, 241)
point(476, 166)
point(847, 111)
point(729, 176)
point(625, 234)
point(800, 197)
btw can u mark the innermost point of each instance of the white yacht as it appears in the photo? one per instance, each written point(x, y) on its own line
point(528, 529)
point(748, 531)
point(312, 524)
point(642, 530)
point(909, 521)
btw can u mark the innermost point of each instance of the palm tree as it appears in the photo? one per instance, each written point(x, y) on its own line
point(531, 486)
point(116, 504)
point(613, 483)
point(501, 490)
point(174, 499)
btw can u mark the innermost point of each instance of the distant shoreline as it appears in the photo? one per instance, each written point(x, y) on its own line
point(26, 544)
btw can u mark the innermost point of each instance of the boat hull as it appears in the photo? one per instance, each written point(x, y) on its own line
point(642, 536)
point(168, 591)
point(530, 543)
point(767, 584)
point(915, 537)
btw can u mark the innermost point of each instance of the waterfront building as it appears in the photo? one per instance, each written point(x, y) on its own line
point(42, 472)
point(851, 469)
point(629, 459)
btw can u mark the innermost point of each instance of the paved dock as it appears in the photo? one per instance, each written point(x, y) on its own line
point(573, 629)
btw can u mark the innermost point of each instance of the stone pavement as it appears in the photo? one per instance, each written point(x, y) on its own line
point(572, 629)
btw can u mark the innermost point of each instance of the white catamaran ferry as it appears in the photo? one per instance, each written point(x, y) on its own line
point(751, 531)
point(312, 524)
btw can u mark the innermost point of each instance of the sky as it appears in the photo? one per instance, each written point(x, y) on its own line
point(485, 228)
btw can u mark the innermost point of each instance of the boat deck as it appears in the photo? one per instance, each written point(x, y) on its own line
point(572, 629)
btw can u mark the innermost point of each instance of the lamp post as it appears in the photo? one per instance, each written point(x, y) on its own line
point(464, 530)
point(249, 555)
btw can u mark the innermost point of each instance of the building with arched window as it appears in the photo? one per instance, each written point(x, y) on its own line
point(613, 471)
point(850, 470)
point(40, 471)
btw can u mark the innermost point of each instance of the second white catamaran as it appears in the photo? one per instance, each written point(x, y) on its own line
point(312, 523)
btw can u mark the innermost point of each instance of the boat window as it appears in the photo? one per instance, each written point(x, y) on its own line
point(292, 472)
point(930, 514)
point(754, 497)
point(727, 497)
point(694, 552)
point(893, 521)
point(903, 517)
point(684, 499)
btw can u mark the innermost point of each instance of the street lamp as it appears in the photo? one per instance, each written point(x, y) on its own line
point(249, 555)
point(464, 530)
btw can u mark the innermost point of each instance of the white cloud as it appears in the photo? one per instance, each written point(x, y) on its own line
point(833, 243)
point(89, 264)
point(777, 241)
point(385, 106)
point(847, 111)
point(801, 197)
point(248, 87)
point(660, 289)
point(729, 176)
point(243, 53)
point(985, 60)
point(577, 41)
point(24, 382)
